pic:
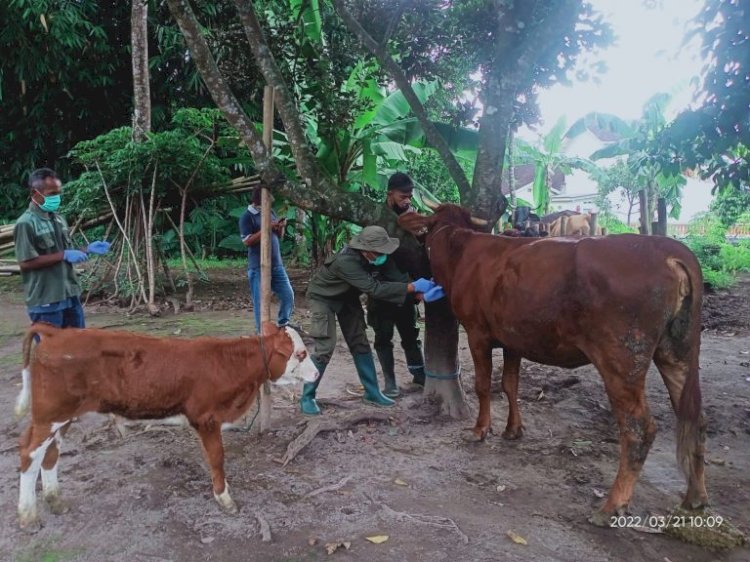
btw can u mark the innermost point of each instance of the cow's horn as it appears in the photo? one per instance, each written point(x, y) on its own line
point(478, 222)
point(430, 204)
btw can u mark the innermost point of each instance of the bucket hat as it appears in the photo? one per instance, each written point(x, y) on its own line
point(374, 239)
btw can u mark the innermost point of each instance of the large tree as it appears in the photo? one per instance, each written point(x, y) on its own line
point(501, 50)
point(714, 137)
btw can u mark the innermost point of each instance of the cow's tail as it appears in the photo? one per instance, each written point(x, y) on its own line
point(685, 332)
point(22, 402)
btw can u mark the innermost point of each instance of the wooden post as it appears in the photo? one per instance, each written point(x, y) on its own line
point(264, 414)
point(563, 225)
point(592, 224)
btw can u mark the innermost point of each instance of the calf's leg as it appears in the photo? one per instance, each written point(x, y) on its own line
point(50, 484)
point(34, 443)
point(481, 352)
point(511, 368)
point(213, 450)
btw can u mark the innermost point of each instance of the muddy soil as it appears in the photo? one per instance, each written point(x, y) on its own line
point(147, 497)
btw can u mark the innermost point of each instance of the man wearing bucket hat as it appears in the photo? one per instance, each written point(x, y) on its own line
point(333, 293)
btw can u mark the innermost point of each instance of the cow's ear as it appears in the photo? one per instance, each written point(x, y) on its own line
point(415, 223)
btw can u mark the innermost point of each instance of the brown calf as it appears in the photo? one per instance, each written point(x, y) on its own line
point(618, 302)
point(210, 381)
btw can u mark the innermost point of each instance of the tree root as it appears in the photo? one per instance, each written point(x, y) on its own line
point(319, 425)
point(431, 520)
point(330, 488)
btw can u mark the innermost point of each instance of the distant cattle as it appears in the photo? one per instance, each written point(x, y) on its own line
point(210, 381)
point(618, 302)
point(572, 225)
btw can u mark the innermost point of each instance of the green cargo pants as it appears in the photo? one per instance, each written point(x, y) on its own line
point(323, 327)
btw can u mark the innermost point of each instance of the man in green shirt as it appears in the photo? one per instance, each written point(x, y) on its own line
point(386, 316)
point(45, 255)
point(333, 293)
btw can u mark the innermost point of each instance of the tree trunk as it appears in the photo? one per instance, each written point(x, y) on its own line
point(645, 218)
point(662, 216)
point(141, 87)
point(592, 223)
point(441, 361)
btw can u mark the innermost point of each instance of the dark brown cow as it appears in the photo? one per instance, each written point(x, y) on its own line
point(210, 381)
point(618, 302)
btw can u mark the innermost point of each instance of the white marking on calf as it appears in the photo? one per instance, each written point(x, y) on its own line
point(225, 500)
point(299, 365)
point(27, 512)
point(22, 402)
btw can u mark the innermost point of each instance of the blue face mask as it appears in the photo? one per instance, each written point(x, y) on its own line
point(380, 260)
point(51, 203)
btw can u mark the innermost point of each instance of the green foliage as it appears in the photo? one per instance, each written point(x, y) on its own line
point(199, 149)
point(547, 157)
point(720, 260)
point(730, 204)
point(638, 141)
point(613, 224)
point(714, 137)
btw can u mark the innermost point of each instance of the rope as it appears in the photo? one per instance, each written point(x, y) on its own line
point(268, 372)
point(450, 377)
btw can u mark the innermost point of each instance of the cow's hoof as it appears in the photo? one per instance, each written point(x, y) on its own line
point(606, 519)
point(226, 502)
point(513, 433)
point(57, 505)
point(30, 525)
point(601, 519)
point(477, 434)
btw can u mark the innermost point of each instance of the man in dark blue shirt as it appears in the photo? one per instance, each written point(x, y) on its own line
point(250, 233)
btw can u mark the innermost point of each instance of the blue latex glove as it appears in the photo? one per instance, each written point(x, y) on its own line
point(100, 247)
point(434, 294)
point(423, 285)
point(74, 256)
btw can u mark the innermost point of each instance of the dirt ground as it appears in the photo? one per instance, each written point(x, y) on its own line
point(147, 497)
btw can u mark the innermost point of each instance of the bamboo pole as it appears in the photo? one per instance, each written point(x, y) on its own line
point(264, 404)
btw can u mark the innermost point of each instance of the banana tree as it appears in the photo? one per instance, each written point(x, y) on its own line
point(633, 140)
point(548, 157)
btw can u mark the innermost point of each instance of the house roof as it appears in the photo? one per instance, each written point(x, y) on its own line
point(524, 175)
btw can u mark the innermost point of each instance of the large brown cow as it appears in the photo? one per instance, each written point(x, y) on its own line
point(208, 380)
point(618, 302)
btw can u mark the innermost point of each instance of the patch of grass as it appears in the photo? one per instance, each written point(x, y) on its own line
point(44, 551)
point(210, 263)
point(187, 324)
point(11, 361)
point(11, 289)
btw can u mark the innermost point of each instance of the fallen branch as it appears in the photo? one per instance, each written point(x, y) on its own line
point(331, 488)
point(265, 528)
point(327, 424)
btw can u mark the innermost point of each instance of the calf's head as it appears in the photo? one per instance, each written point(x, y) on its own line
point(288, 348)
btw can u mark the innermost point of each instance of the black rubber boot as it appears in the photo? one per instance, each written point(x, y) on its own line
point(385, 357)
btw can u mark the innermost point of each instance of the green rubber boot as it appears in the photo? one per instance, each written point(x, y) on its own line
point(369, 378)
point(385, 357)
point(307, 402)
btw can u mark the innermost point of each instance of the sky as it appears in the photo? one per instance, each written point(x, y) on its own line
point(648, 57)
